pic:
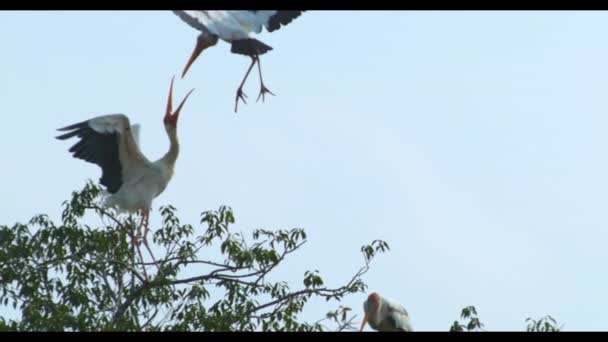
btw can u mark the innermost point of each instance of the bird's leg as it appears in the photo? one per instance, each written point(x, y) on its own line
point(132, 232)
point(138, 235)
point(144, 224)
point(239, 91)
point(263, 89)
point(143, 267)
point(145, 238)
point(132, 235)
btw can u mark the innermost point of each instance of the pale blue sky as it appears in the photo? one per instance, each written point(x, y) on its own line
point(473, 142)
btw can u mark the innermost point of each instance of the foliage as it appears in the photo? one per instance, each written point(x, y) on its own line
point(74, 277)
point(471, 313)
point(544, 324)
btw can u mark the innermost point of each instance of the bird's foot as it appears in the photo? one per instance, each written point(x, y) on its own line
point(263, 91)
point(239, 95)
point(137, 239)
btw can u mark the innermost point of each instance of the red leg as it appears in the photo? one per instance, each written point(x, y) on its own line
point(138, 235)
point(146, 215)
point(263, 89)
point(239, 91)
point(145, 239)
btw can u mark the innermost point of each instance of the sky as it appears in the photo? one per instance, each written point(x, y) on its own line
point(472, 142)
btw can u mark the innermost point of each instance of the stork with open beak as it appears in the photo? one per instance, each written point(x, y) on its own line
point(234, 27)
point(384, 315)
point(132, 181)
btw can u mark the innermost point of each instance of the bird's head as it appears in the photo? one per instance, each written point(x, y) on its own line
point(370, 306)
point(171, 116)
point(204, 40)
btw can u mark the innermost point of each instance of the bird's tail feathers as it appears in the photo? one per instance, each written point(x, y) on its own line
point(108, 200)
point(249, 47)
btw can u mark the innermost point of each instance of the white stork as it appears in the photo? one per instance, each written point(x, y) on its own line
point(235, 27)
point(132, 181)
point(384, 315)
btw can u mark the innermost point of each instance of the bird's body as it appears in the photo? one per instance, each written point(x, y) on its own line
point(110, 141)
point(132, 181)
point(385, 315)
point(139, 192)
point(229, 26)
point(236, 28)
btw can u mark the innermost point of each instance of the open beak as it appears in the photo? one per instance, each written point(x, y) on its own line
point(170, 115)
point(363, 323)
point(202, 42)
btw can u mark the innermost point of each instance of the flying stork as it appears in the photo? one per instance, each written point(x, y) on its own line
point(132, 181)
point(234, 27)
point(384, 315)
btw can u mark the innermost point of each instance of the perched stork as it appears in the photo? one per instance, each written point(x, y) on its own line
point(234, 27)
point(384, 315)
point(132, 181)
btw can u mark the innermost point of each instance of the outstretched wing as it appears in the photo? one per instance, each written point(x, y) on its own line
point(281, 18)
point(196, 19)
point(135, 128)
point(108, 142)
point(234, 25)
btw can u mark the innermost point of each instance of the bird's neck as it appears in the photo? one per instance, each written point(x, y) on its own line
point(171, 156)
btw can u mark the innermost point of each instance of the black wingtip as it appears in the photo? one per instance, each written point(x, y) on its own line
point(281, 18)
point(74, 126)
point(65, 136)
point(74, 130)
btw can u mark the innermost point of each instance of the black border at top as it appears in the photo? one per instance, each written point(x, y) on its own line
point(308, 5)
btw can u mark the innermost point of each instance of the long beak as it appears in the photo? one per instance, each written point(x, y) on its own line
point(179, 108)
point(363, 323)
point(170, 114)
point(170, 100)
point(202, 42)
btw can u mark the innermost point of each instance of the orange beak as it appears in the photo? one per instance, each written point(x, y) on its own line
point(203, 41)
point(364, 322)
point(170, 116)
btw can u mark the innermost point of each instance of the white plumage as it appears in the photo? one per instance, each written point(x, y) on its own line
point(236, 27)
point(228, 25)
point(385, 315)
point(132, 181)
point(135, 129)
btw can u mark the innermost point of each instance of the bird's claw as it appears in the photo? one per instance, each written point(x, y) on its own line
point(263, 91)
point(239, 95)
point(137, 239)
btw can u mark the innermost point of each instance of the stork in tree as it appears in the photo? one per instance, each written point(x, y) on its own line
point(384, 315)
point(132, 181)
point(235, 27)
